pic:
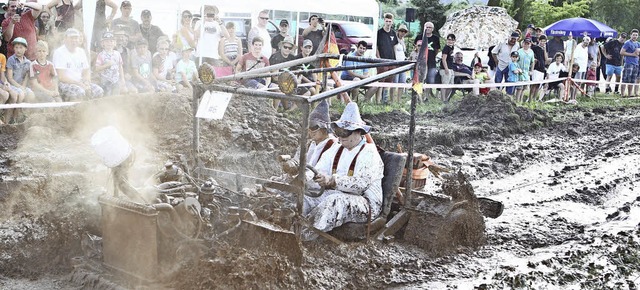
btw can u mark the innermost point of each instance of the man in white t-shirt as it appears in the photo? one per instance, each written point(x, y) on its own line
point(210, 32)
point(261, 30)
point(72, 66)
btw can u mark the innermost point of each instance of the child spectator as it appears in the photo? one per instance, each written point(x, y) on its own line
point(554, 72)
point(18, 71)
point(122, 41)
point(109, 67)
point(482, 76)
point(230, 50)
point(186, 69)
point(7, 96)
point(141, 75)
point(515, 73)
point(163, 69)
point(43, 76)
point(591, 76)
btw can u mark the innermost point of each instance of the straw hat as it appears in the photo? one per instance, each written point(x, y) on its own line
point(351, 120)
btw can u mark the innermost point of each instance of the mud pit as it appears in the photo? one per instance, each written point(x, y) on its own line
point(567, 179)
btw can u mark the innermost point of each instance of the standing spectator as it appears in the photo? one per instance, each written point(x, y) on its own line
point(554, 46)
point(23, 25)
point(629, 51)
point(614, 59)
point(530, 32)
point(42, 75)
point(100, 21)
point(43, 25)
point(432, 43)
point(284, 31)
point(229, 49)
point(569, 45)
point(387, 39)
point(446, 65)
point(126, 23)
point(261, 31)
point(186, 70)
point(526, 60)
point(141, 74)
point(594, 54)
point(539, 68)
point(313, 32)
point(185, 36)
point(149, 32)
point(66, 13)
point(210, 33)
point(581, 57)
point(401, 54)
point(18, 71)
point(109, 67)
point(515, 74)
point(72, 66)
point(591, 76)
point(501, 55)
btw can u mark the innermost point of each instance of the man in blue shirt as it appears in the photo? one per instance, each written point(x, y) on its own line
point(358, 74)
point(630, 50)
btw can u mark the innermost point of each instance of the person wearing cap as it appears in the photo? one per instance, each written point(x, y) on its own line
point(401, 54)
point(125, 22)
point(501, 54)
point(539, 68)
point(65, 12)
point(149, 32)
point(284, 31)
point(351, 174)
point(581, 57)
point(72, 66)
point(313, 32)
point(432, 43)
point(284, 52)
point(109, 66)
point(210, 32)
point(321, 137)
point(18, 71)
point(23, 25)
point(305, 51)
point(515, 74)
point(42, 75)
point(612, 54)
point(630, 51)
point(186, 70)
point(530, 32)
point(261, 31)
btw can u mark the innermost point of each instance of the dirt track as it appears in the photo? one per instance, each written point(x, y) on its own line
point(571, 219)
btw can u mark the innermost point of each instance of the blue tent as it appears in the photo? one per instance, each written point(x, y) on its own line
point(579, 26)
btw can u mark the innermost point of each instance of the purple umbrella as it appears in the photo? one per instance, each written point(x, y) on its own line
point(579, 26)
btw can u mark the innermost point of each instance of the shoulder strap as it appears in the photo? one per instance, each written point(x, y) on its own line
point(334, 167)
point(326, 147)
point(352, 167)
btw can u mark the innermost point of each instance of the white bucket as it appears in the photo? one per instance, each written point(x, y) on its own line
point(110, 146)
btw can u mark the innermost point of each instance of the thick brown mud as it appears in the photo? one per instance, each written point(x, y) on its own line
point(567, 179)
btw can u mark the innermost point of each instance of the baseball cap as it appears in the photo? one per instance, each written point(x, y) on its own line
point(478, 64)
point(531, 26)
point(71, 32)
point(307, 42)
point(284, 22)
point(623, 35)
point(142, 42)
point(125, 3)
point(513, 53)
point(107, 35)
point(515, 35)
point(19, 40)
point(527, 39)
point(145, 13)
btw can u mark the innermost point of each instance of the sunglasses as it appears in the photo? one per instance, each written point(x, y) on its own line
point(342, 133)
point(314, 129)
point(264, 18)
point(187, 16)
point(287, 47)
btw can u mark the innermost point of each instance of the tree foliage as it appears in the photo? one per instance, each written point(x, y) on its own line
point(543, 13)
point(621, 15)
point(431, 10)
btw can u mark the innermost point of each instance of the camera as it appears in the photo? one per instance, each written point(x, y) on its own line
point(19, 10)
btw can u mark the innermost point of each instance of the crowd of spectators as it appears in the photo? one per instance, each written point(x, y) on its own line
point(127, 57)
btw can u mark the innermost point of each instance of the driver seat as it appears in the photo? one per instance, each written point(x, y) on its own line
point(393, 165)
